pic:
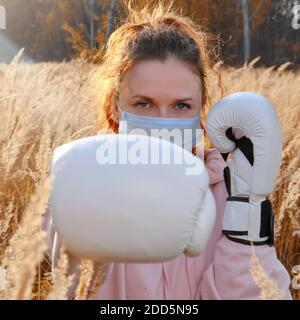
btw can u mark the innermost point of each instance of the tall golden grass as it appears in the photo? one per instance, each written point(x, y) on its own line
point(45, 105)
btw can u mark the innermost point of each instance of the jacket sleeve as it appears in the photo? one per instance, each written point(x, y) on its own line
point(228, 276)
point(53, 244)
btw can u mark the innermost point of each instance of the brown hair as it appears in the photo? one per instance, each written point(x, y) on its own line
point(152, 34)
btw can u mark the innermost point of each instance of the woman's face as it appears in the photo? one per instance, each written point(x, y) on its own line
point(169, 89)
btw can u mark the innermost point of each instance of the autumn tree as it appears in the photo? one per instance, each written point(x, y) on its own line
point(64, 29)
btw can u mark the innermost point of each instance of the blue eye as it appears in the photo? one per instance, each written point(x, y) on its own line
point(184, 106)
point(141, 104)
point(145, 105)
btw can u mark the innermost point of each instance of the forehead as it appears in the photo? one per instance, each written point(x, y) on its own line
point(155, 78)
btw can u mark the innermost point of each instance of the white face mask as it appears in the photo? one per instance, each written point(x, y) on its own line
point(185, 132)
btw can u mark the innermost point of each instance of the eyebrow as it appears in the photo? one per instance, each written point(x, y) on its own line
point(150, 99)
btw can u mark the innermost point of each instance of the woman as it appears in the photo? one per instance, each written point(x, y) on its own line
point(156, 65)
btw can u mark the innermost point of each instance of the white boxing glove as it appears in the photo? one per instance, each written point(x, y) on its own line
point(112, 210)
point(245, 128)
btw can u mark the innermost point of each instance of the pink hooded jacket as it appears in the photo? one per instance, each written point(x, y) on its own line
point(221, 272)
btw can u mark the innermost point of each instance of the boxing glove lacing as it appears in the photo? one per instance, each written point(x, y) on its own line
point(267, 214)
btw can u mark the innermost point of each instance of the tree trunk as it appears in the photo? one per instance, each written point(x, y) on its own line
point(2, 18)
point(111, 19)
point(89, 6)
point(247, 30)
point(92, 23)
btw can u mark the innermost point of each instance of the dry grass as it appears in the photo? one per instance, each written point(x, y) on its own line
point(48, 104)
point(268, 287)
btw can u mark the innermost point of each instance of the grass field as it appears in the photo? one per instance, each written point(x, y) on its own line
point(45, 105)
